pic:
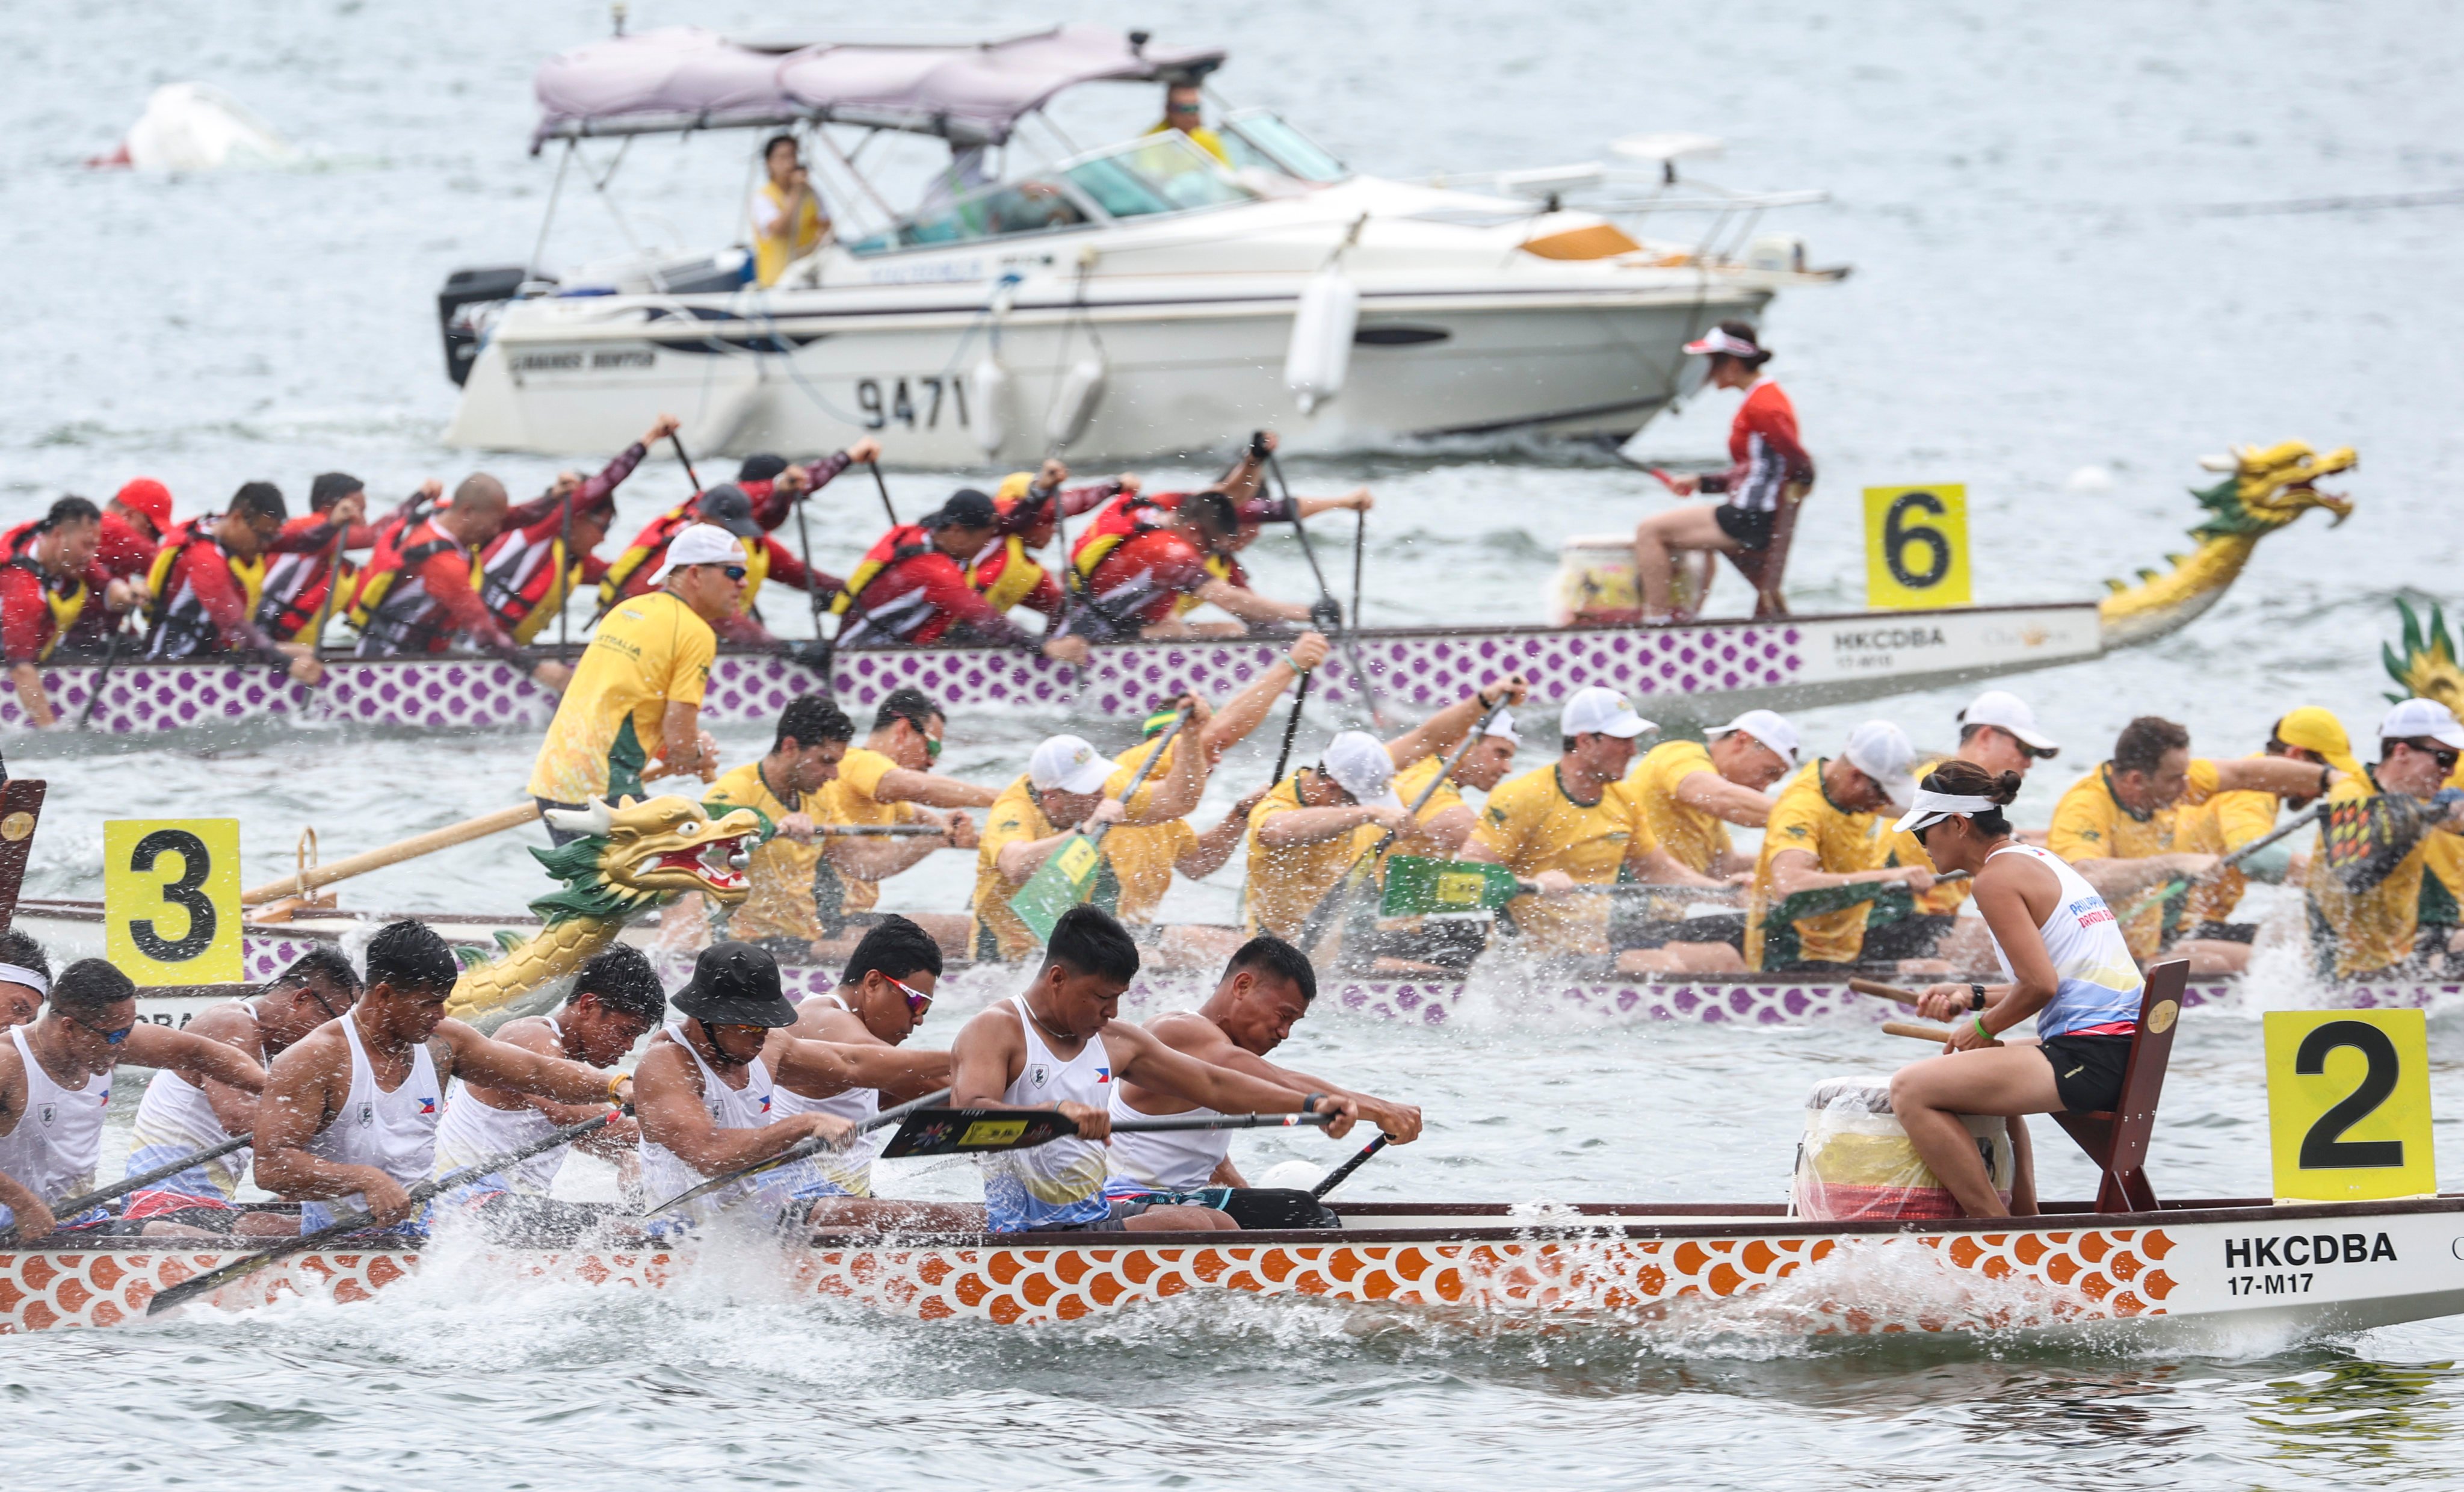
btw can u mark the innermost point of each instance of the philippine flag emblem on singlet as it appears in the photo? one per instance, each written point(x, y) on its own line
point(428, 1106)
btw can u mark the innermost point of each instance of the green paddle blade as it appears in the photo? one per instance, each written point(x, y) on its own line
point(1417, 886)
point(1060, 882)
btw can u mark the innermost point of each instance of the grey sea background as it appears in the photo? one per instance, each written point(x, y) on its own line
point(2044, 307)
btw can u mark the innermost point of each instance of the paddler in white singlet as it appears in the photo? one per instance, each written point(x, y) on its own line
point(55, 1085)
point(2066, 964)
point(710, 1084)
point(883, 996)
point(349, 1115)
point(177, 1117)
point(617, 1000)
point(1265, 992)
point(1058, 1047)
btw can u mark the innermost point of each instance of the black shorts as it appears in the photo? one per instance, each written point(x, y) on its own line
point(1116, 1220)
point(2224, 932)
point(1750, 527)
point(2087, 1071)
point(1659, 932)
point(1278, 1207)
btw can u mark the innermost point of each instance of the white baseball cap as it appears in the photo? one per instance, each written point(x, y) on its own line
point(2006, 711)
point(1601, 712)
point(1767, 726)
point(1881, 750)
point(2415, 718)
point(1068, 764)
point(1502, 724)
point(702, 543)
point(1359, 764)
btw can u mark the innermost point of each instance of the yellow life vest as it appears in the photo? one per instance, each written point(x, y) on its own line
point(250, 574)
point(1018, 577)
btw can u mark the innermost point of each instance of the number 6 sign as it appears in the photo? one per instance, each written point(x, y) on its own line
point(170, 900)
point(1916, 546)
point(2349, 1105)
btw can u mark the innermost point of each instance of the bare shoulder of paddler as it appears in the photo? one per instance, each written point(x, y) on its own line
point(305, 1090)
point(28, 1212)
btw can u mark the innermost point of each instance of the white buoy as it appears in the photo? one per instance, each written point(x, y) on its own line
point(198, 127)
point(1323, 322)
point(1074, 406)
point(988, 390)
point(2090, 479)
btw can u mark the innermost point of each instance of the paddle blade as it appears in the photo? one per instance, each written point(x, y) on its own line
point(964, 1131)
point(1060, 883)
point(1417, 886)
point(2364, 840)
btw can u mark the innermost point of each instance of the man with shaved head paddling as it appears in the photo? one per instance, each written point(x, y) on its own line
point(416, 595)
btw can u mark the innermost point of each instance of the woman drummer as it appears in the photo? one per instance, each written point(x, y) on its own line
point(1767, 466)
point(2063, 955)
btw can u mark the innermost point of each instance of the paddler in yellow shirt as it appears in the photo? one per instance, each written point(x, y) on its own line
point(632, 713)
point(778, 910)
point(1824, 835)
point(1998, 732)
point(2115, 825)
point(2378, 932)
point(1577, 823)
point(1316, 824)
point(1690, 793)
point(1067, 791)
point(888, 780)
point(2230, 820)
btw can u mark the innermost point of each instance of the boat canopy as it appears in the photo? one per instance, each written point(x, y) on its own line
point(680, 78)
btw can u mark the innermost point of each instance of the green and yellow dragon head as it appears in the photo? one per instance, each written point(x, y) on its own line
point(2264, 489)
point(630, 858)
point(2428, 669)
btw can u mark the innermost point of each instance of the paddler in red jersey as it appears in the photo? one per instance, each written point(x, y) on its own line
point(49, 579)
point(418, 595)
point(749, 508)
point(1033, 506)
point(1150, 564)
point(133, 524)
point(305, 563)
point(547, 550)
point(1766, 460)
point(206, 580)
point(912, 589)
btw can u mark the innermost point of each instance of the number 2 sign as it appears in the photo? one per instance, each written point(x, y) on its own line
point(1916, 546)
point(170, 900)
point(2349, 1105)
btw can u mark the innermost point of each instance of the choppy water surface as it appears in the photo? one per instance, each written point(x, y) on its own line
point(2035, 294)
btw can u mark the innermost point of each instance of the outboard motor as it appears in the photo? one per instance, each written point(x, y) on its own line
point(468, 294)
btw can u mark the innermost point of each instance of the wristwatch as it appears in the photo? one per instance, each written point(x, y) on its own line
point(1976, 998)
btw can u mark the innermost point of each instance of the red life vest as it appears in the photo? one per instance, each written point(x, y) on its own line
point(181, 626)
point(391, 607)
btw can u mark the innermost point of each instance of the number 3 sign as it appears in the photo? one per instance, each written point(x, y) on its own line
point(2349, 1105)
point(1916, 546)
point(170, 900)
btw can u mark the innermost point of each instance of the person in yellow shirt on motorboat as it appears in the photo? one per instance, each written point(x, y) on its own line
point(1818, 906)
point(2230, 820)
point(1064, 793)
point(2115, 827)
point(888, 780)
point(1307, 833)
point(787, 213)
point(2365, 908)
point(632, 711)
point(1577, 823)
point(1183, 110)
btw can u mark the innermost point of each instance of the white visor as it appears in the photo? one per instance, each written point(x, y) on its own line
point(19, 974)
point(1932, 807)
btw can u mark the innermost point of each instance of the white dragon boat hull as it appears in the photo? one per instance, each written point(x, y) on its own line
point(1702, 673)
point(2195, 1274)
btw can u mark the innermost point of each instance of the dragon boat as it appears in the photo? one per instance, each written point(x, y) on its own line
point(1702, 671)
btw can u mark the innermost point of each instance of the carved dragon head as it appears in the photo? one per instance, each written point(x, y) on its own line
point(2271, 487)
point(635, 856)
point(2427, 670)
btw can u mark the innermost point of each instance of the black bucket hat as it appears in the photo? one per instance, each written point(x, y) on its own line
point(734, 984)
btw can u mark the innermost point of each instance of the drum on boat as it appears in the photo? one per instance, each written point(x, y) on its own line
point(1856, 1163)
point(1595, 584)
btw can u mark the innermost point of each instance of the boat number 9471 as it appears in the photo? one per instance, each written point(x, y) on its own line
point(911, 402)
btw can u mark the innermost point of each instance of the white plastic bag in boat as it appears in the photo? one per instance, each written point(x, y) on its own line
point(1323, 322)
point(988, 390)
point(198, 127)
point(1075, 404)
point(1856, 1161)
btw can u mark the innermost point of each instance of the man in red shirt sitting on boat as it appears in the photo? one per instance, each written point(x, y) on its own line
point(1033, 506)
point(548, 548)
point(912, 587)
point(206, 580)
point(1141, 566)
point(749, 509)
point(308, 561)
point(133, 524)
point(1768, 468)
point(417, 596)
point(49, 579)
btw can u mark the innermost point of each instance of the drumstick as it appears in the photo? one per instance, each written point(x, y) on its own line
point(1910, 1029)
point(1875, 987)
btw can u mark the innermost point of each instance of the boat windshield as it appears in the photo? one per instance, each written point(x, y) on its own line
point(1162, 173)
point(1265, 140)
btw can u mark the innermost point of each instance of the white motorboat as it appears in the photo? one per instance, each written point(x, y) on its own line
point(1138, 299)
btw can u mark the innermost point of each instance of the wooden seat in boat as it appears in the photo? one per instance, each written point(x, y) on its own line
point(2118, 1141)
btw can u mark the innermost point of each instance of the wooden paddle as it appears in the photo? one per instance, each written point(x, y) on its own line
point(801, 1149)
point(71, 1206)
point(300, 883)
point(348, 1223)
point(1068, 873)
point(968, 1131)
point(1334, 1178)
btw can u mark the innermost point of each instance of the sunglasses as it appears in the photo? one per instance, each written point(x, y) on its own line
point(917, 1001)
point(734, 571)
point(717, 1032)
point(109, 1038)
point(1181, 108)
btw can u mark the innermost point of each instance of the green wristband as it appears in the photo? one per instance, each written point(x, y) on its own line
point(1980, 1028)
